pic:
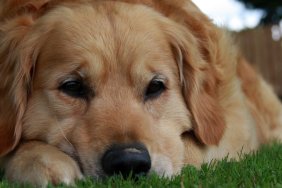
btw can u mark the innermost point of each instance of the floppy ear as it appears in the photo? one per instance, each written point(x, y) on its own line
point(17, 58)
point(10, 8)
point(196, 44)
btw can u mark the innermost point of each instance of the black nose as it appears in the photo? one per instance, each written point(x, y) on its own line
point(126, 159)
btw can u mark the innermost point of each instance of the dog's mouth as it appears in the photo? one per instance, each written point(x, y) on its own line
point(123, 159)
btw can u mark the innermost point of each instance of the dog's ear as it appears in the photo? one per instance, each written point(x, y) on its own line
point(196, 44)
point(17, 59)
point(11, 8)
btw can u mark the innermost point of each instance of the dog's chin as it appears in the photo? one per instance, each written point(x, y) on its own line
point(161, 166)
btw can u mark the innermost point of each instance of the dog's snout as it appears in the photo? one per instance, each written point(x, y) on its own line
point(125, 159)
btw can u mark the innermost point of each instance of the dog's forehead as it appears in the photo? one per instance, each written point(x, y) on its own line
point(110, 37)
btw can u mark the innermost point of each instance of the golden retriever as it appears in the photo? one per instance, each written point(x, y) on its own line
point(102, 87)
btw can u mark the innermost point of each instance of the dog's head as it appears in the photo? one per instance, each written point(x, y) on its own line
point(116, 85)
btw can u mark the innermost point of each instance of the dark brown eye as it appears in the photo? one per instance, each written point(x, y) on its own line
point(155, 89)
point(74, 88)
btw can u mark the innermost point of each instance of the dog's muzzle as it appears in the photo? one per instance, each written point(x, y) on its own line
point(126, 159)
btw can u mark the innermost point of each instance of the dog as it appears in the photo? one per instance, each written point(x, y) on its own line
point(99, 87)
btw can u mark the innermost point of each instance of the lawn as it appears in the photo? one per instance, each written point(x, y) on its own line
point(260, 169)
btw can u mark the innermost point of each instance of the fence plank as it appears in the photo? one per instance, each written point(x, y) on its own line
point(263, 53)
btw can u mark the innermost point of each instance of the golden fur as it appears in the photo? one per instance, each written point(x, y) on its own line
point(214, 103)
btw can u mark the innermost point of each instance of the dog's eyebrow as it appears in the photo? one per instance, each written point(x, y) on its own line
point(159, 76)
point(74, 75)
point(79, 73)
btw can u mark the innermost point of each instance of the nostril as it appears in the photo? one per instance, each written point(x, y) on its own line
point(126, 159)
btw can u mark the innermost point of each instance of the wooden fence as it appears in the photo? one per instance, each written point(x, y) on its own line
point(263, 53)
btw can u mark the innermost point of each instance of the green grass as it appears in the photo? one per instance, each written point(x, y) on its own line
point(260, 169)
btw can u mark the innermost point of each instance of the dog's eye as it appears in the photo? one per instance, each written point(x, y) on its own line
point(74, 88)
point(154, 89)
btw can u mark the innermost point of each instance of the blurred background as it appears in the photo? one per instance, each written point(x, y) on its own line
point(257, 28)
